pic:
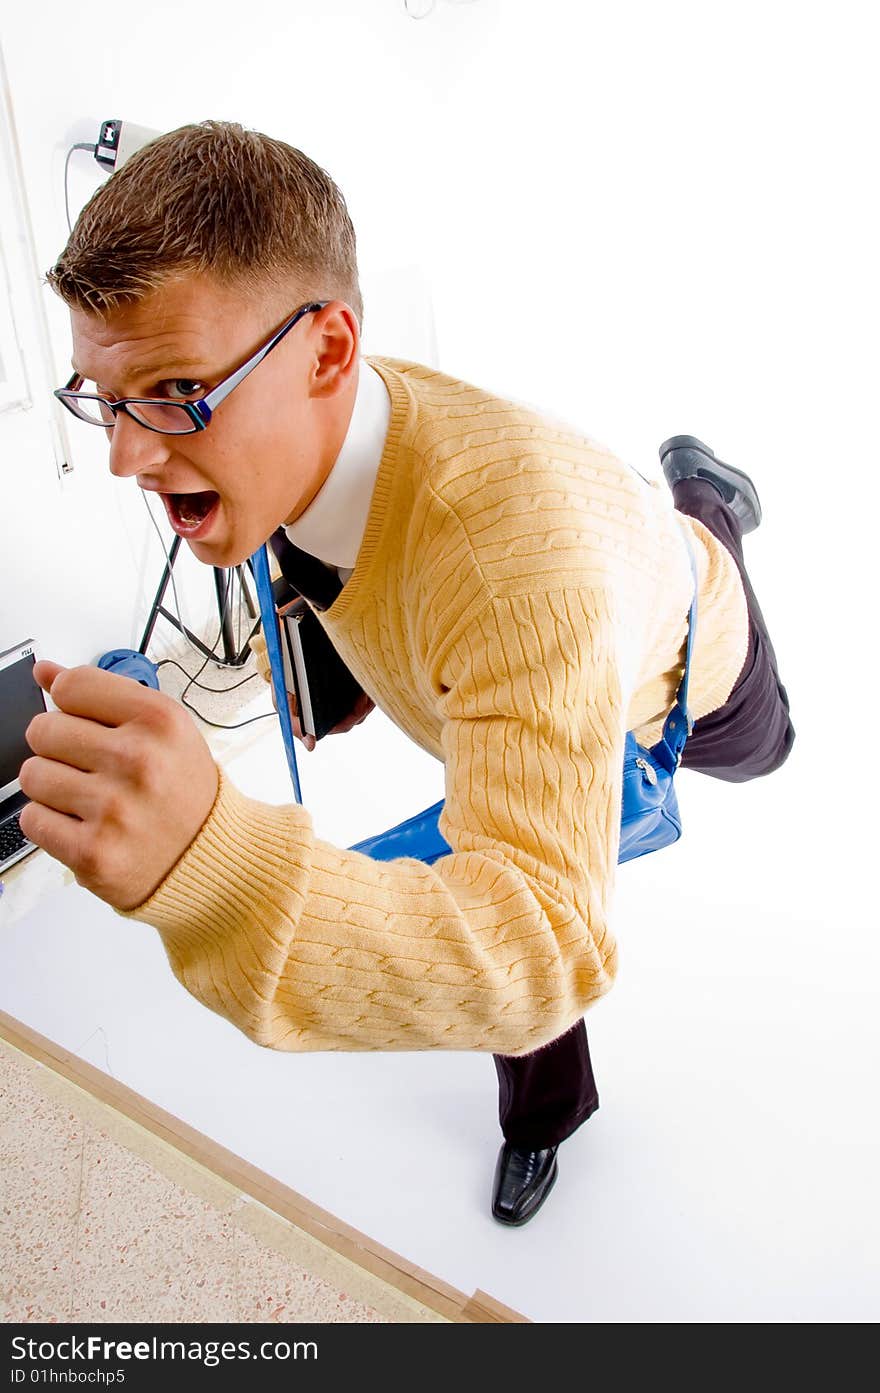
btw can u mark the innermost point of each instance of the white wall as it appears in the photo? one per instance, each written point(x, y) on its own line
point(79, 552)
point(650, 219)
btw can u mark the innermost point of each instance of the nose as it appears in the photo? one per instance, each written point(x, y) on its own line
point(134, 449)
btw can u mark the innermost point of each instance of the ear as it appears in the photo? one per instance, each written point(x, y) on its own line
point(335, 340)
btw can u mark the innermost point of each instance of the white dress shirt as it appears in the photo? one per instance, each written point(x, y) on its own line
point(332, 526)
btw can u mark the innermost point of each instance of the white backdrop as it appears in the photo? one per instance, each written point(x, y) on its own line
point(649, 219)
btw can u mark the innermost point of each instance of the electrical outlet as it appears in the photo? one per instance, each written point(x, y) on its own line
point(119, 140)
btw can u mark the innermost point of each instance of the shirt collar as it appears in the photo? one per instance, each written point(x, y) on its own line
point(332, 526)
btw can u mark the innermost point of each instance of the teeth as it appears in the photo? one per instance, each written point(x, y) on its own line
point(193, 508)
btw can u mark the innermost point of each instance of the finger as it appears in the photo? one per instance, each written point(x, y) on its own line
point(294, 721)
point(57, 786)
point(307, 740)
point(291, 700)
point(359, 712)
point(343, 726)
point(83, 744)
point(55, 832)
point(45, 673)
point(101, 696)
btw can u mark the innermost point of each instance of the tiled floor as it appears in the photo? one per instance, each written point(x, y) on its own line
point(100, 1221)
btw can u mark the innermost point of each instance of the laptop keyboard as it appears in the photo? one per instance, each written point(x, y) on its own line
point(12, 839)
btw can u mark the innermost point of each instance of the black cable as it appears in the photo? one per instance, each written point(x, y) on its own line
point(93, 150)
point(217, 691)
point(218, 725)
point(177, 605)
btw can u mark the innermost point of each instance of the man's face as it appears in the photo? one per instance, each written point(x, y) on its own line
point(270, 445)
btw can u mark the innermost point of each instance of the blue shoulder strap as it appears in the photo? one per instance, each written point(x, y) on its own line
point(271, 632)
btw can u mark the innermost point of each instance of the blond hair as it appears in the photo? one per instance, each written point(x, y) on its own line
point(215, 198)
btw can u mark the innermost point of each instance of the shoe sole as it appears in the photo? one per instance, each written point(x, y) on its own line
point(739, 492)
point(524, 1219)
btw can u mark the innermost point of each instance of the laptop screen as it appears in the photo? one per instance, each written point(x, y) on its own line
point(20, 699)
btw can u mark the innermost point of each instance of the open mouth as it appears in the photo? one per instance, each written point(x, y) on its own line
point(190, 514)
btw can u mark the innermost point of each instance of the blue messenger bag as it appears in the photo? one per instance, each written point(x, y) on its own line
point(650, 818)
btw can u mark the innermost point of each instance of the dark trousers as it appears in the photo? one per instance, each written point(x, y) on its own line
point(545, 1096)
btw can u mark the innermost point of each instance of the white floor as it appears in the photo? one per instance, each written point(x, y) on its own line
point(730, 1171)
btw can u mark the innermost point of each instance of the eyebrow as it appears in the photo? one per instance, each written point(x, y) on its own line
point(161, 371)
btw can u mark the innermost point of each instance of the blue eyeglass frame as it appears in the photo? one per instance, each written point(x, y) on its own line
point(199, 412)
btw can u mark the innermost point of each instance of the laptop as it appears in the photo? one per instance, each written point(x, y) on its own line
point(20, 700)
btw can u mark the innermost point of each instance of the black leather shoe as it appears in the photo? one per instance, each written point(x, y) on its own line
point(523, 1180)
point(686, 457)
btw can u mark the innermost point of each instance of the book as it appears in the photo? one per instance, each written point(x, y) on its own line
point(324, 687)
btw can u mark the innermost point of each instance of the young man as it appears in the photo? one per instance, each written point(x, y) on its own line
point(513, 596)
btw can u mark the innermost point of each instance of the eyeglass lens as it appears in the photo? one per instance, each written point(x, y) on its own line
point(168, 417)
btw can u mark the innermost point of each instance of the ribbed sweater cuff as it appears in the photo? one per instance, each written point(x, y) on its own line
point(259, 650)
point(229, 874)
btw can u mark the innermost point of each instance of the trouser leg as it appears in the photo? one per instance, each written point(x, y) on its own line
point(545, 1096)
point(752, 733)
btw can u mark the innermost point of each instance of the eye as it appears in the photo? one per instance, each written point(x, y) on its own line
point(180, 387)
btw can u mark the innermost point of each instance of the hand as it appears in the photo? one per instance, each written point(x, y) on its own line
point(120, 782)
point(359, 712)
point(361, 709)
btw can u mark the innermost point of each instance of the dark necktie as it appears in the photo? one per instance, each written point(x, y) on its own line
point(317, 583)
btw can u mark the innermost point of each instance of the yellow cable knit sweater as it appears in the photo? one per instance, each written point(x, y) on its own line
point(519, 602)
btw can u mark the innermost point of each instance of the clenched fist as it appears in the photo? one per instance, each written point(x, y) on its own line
point(120, 781)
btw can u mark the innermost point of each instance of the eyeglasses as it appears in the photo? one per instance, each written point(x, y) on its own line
point(158, 413)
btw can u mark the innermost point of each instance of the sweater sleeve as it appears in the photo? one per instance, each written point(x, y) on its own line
point(261, 654)
point(499, 946)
